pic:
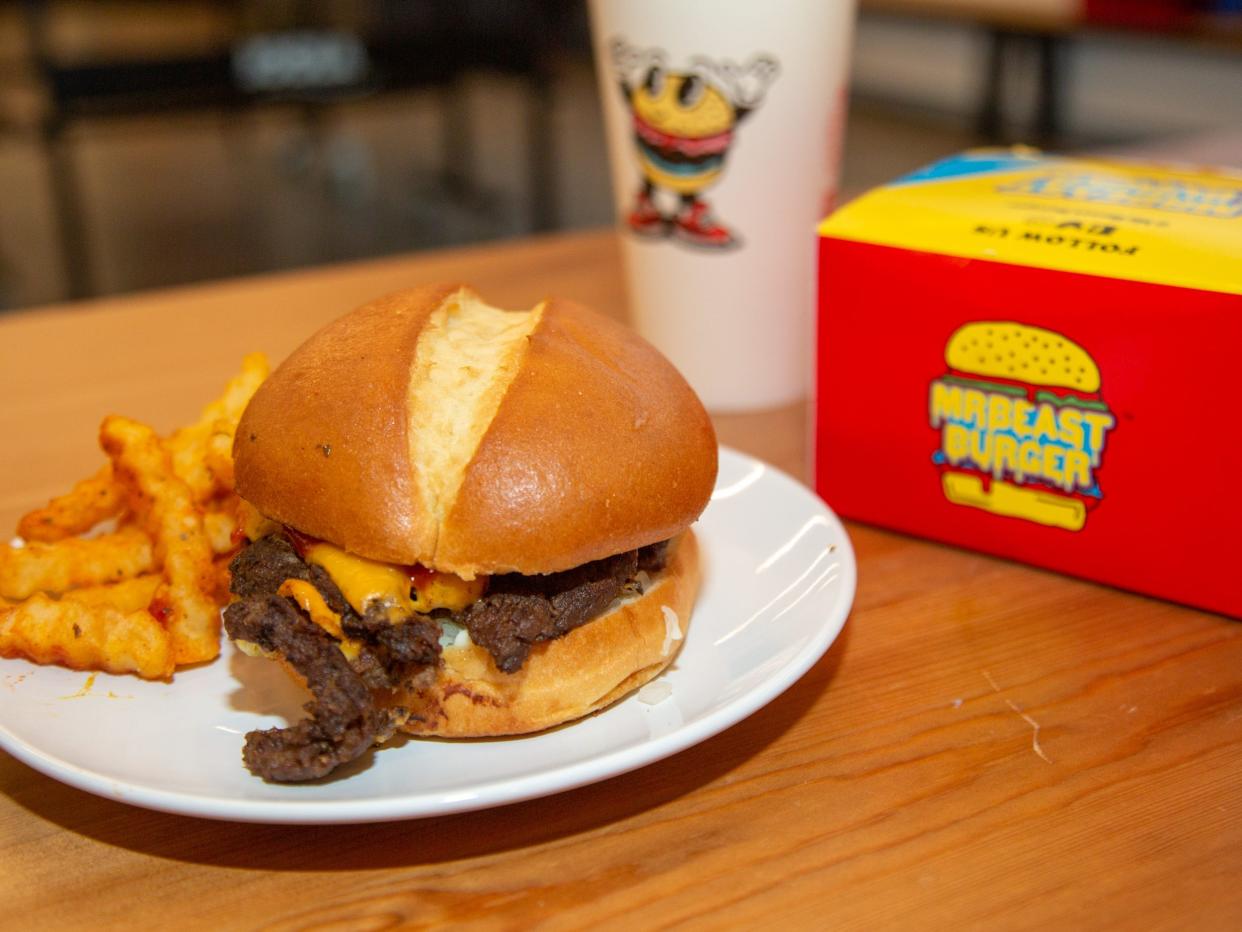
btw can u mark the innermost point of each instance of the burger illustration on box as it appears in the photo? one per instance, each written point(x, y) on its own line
point(1022, 424)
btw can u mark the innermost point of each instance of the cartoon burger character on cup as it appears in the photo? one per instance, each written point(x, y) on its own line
point(685, 121)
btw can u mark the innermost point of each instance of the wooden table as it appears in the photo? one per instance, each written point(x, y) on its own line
point(898, 784)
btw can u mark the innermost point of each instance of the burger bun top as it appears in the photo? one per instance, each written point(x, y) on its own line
point(428, 427)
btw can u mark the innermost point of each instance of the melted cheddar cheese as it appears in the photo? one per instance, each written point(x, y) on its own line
point(310, 601)
point(445, 590)
point(252, 524)
point(364, 582)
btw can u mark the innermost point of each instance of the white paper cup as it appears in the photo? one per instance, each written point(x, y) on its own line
point(724, 122)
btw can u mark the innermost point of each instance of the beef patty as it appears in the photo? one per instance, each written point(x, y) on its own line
point(342, 719)
point(517, 613)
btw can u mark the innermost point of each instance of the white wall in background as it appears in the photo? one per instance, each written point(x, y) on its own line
point(1118, 86)
point(923, 64)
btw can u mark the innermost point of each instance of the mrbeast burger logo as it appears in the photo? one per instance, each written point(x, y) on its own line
point(1022, 424)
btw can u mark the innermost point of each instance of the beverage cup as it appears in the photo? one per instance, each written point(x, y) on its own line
point(724, 122)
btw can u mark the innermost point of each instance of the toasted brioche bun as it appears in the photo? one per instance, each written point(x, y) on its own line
point(589, 668)
point(427, 427)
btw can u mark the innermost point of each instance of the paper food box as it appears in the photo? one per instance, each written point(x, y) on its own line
point(1041, 358)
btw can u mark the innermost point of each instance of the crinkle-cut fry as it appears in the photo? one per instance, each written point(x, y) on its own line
point(86, 637)
point(129, 596)
point(73, 562)
point(186, 447)
point(77, 511)
point(189, 447)
point(166, 505)
point(218, 454)
point(220, 527)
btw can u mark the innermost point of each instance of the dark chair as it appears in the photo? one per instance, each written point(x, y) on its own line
point(314, 64)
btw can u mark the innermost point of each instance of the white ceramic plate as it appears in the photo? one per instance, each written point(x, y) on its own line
point(778, 583)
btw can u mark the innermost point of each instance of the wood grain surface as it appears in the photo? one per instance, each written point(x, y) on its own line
point(985, 746)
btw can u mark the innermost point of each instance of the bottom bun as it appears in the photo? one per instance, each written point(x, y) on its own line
point(587, 669)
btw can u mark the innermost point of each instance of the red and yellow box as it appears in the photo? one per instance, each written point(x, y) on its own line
point(1041, 358)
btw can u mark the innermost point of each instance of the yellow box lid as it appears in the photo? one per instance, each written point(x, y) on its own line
point(1128, 220)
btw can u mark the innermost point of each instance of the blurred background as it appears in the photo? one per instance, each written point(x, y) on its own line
point(146, 143)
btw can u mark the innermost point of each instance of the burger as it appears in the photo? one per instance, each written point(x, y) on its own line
point(463, 521)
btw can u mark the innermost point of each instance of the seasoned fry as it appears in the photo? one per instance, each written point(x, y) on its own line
point(220, 527)
point(129, 596)
point(73, 562)
point(165, 504)
point(144, 598)
point(76, 512)
point(218, 454)
point(86, 637)
point(189, 446)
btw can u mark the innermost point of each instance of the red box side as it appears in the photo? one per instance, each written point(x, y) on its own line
point(1169, 358)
